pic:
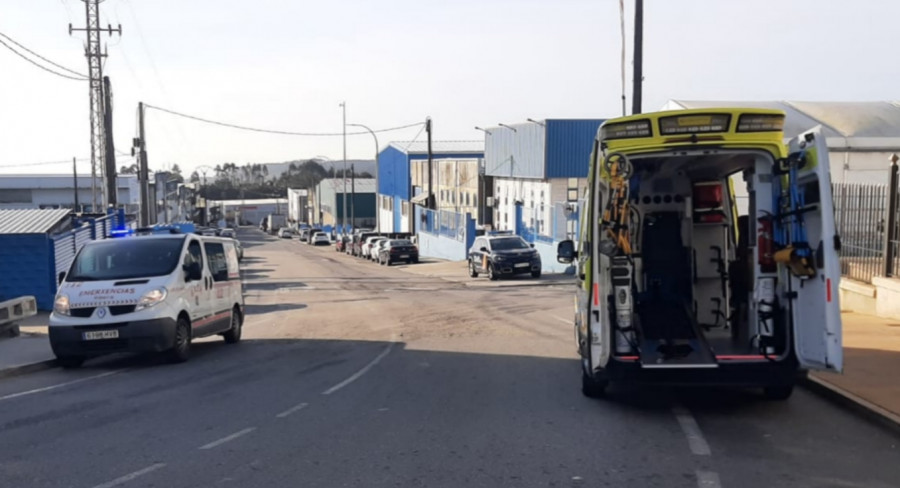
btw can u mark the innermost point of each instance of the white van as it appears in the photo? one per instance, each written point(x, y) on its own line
point(151, 293)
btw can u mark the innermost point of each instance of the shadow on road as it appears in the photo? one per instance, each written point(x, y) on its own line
point(275, 307)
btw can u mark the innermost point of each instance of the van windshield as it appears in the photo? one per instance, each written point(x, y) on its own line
point(119, 259)
point(508, 244)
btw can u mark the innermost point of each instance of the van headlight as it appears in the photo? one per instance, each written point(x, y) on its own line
point(151, 298)
point(61, 305)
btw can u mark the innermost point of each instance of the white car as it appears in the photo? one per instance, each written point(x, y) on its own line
point(320, 238)
point(285, 233)
point(147, 294)
point(377, 245)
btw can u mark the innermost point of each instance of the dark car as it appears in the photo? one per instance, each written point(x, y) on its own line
point(341, 243)
point(503, 255)
point(398, 250)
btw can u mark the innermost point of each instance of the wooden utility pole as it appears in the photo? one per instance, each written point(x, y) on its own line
point(140, 146)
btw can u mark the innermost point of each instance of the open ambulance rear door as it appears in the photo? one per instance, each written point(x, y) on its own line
point(816, 311)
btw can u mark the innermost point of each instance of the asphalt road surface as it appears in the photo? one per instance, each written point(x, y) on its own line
point(352, 374)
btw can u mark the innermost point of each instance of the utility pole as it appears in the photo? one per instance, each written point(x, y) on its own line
point(93, 51)
point(352, 195)
point(140, 146)
point(430, 202)
point(344, 209)
point(638, 56)
point(75, 181)
point(112, 197)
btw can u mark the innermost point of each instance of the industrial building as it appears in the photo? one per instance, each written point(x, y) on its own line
point(457, 177)
point(327, 202)
point(40, 191)
point(541, 166)
point(298, 209)
point(246, 211)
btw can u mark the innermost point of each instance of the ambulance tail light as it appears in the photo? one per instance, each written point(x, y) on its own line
point(760, 123)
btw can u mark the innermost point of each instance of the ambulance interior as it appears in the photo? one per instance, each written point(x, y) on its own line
point(693, 262)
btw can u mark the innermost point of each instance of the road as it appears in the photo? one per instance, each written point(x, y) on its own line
point(353, 374)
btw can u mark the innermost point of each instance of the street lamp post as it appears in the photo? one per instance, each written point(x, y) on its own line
point(344, 210)
point(377, 206)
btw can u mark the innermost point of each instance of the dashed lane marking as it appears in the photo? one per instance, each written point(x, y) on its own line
point(361, 372)
point(708, 479)
point(692, 431)
point(225, 439)
point(131, 476)
point(291, 410)
point(60, 385)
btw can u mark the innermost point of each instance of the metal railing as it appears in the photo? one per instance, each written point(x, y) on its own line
point(444, 223)
point(860, 213)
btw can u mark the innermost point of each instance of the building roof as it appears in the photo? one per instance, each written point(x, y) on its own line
point(846, 125)
point(57, 181)
point(474, 148)
point(31, 221)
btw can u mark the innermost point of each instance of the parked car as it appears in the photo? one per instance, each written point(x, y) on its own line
point(320, 238)
point(365, 248)
point(377, 244)
point(312, 232)
point(398, 250)
point(303, 235)
point(503, 255)
point(285, 233)
point(359, 241)
point(229, 233)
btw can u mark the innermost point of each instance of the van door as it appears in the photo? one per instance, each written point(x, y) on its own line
point(197, 292)
point(220, 296)
point(816, 313)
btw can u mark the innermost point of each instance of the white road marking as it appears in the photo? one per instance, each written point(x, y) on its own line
point(292, 410)
point(361, 372)
point(61, 385)
point(708, 479)
point(695, 438)
point(131, 476)
point(228, 438)
point(565, 321)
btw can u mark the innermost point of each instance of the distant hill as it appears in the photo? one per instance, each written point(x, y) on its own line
point(360, 165)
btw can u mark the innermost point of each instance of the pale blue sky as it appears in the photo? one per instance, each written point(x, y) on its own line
point(287, 64)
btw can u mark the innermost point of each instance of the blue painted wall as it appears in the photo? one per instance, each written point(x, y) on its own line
point(26, 268)
point(393, 173)
point(568, 147)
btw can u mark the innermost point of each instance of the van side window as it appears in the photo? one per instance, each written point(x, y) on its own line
point(232, 261)
point(194, 254)
point(218, 264)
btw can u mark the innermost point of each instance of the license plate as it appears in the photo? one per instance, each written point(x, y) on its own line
point(522, 265)
point(100, 334)
point(405, 256)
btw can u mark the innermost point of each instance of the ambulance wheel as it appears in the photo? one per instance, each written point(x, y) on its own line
point(181, 348)
point(591, 385)
point(233, 336)
point(70, 362)
point(472, 272)
point(778, 392)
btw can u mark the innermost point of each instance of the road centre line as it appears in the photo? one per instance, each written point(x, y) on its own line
point(291, 410)
point(131, 476)
point(60, 385)
point(227, 438)
point(692, 431)
point(361, 372)
point(708, 479)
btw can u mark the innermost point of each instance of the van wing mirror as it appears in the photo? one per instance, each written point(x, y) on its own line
point(193, 272)
point(483, 249)
point(60, 277)
point(565, 251)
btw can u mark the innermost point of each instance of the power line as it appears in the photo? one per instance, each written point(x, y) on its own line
point(10, 39)
point(272, 131)
point(48, 163)
point(26, 58)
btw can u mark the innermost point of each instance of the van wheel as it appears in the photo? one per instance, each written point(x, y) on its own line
point(233, 336)
point(536, 274)
point(181, 349)
point(70, 362)
point(592, 387)
point(492, 275)
point(473, 273)
point(778, 392)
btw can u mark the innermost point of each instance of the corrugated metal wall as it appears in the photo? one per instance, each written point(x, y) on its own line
point(26, 266)
point(568, 147)
point(518, 154)
point(393, 173)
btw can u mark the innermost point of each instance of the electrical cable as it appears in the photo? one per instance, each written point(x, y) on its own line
point(26, 58)
point(272, 131)
point(10, 39)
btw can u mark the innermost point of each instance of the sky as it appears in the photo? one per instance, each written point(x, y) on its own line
point(288, 64)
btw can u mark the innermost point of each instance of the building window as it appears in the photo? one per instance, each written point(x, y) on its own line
point(573, 182)
point(404, 209)
point(573, 195)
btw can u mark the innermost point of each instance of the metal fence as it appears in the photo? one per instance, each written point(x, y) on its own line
point(444, 223)
point(860, 213)
point(553, 223)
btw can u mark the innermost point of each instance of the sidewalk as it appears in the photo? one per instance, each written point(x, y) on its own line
point(30, 351)
point(457, 272)
point(871, 375)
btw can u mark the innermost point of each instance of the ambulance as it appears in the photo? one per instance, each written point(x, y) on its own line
point(148, 293)
point(707, 254)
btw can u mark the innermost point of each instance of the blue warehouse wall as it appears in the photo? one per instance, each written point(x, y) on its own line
point(568, 147)
point(26, 268)
point(393, 173)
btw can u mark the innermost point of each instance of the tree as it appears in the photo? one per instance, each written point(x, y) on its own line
point(195, 177)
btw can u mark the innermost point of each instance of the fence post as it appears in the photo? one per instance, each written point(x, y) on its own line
point(891, 219)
